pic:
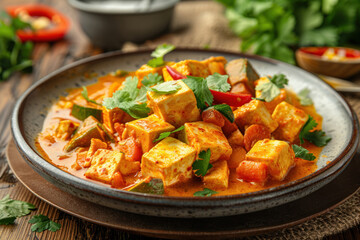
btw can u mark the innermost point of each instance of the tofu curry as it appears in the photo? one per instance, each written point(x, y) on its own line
point(191, 128)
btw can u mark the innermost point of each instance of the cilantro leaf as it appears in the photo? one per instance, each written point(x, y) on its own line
point(205, 193)
point(85, 95)
point(11, 209)
point(317, 137)
point(152, 79)
point(169, 87)
point(202, 165)
point(218, 82)
point(42, 223)
point(225, 110)
point(271, 89)
point(201, 91)
point(129, 99)
point(166, 134)
point(303, 153)
point(304, 97)
point(158, 55)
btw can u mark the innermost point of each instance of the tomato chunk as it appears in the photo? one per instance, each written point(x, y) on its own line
point(213, 116)
point(250, 171)
point(255, 133)
point(132, 149)
point(117, 180)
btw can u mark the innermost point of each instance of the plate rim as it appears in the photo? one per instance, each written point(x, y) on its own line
point(169, 200)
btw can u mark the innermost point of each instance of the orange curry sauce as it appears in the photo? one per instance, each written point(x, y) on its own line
point(52, 150)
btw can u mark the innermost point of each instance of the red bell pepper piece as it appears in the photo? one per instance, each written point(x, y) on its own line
point(174, 74)
point(231, 99)
point(58, 29)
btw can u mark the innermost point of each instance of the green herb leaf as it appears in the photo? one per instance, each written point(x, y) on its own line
point(166, 134)
point(225, 110)
point(129, 99)
point(84, 93)
point(42, 223)
point(158, 55)
point(205, 193)
point(120, 73)
point(11, 209)
point(218, 82)
point(260, 99)
point(304, 98)
point(271, 89)
point(152, 79)
point(199, 86)
point(317, 137)
point(202, 165)
point(169, 87)
point(303, 153)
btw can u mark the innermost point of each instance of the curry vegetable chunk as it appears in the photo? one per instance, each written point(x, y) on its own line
point(203, 136)
point(278, 155)
point(148, 129)
point(170, 160)
point(65, 129)
point(177, 108)
point(290, 120)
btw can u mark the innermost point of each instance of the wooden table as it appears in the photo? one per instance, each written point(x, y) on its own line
point(47, 58)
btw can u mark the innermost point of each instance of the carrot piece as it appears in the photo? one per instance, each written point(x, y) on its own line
point(250, 171)
point(117, 180)
point(132, 149)
point(237, 156)
point(255, 133)
point(213, 116)
point(119, 128)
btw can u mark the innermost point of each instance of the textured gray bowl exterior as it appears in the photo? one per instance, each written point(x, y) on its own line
point(340, 123)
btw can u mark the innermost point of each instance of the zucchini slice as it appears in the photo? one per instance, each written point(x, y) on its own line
point(149, 185)
point(81, 112)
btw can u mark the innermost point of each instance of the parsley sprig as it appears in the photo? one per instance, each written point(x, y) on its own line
point(271, 89)
point(303, 153)
point(159, 54)
point(317, 137)
point(11, 209)
point(169, 87)
point(202, 165)
point(166, 134)
point(218, 82)
point(130, 99)
point(42, 223)
point(203, 96)
point(205, 193)
point(152, 79)
point(304, 98)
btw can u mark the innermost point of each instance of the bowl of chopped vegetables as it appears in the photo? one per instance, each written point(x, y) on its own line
point(200, 134)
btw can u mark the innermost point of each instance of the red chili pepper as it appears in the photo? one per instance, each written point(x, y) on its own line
point(174, 74)
point(231, 99)
point(60, 24)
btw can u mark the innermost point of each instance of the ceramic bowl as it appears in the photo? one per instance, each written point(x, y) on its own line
point(109, 24)
point(340, 122)
point(335, 68)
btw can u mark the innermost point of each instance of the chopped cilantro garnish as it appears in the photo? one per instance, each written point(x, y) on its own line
point(129, 99)
point(159, 54)
point(202, 165)
point(152, 79)
point(304, 98)
point(218, 82)
point(317, 137)
point(225, 110)
point(271, 89)
point(169, 87)
point(303, 153)
point(166, 134)
point(42, 223)
point(11, 209)
point(85, 95)
point(205, 193)
point(201, 91)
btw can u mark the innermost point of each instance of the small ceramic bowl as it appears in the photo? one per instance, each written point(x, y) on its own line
point(111, 23)
point(335, 61)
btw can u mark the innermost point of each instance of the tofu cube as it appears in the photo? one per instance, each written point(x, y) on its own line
point(236, 139)
point(192, 68)
point(290, 120)
point(95, 144)
point(216, 65)
point(283, 96)
point(203, 136)
point(254, 112)
point(278, 155)
point(170, 160)
point(218, 176)
point(145, 70)
point(148, 129)
point(177, 108)
point(65, 129)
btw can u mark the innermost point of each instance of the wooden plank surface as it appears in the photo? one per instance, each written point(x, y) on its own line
point(47, 58)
